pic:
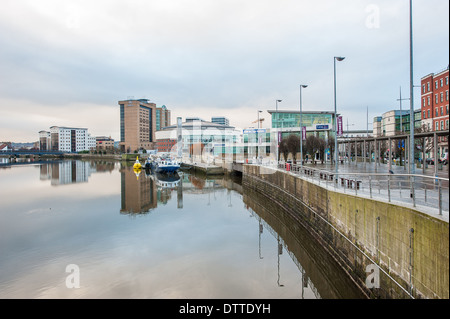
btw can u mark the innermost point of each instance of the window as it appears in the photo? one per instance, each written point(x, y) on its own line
point(428, 113)
point(446, 124)
point(424, 101)
point(442, 125)
point(437, 126)
point(424, 116)
point(442, 97)
point(423, 86)
point(442, 82)
point(429, 100)
point(442, 111)
point(428, 86)
point(437, 98)
point(436, 113)
point(446, 95)
point(436, 84)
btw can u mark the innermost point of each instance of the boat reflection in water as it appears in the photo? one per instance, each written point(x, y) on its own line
point(167, 180)
point(144, 189)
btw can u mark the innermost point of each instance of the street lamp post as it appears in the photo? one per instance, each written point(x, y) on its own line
point(301, 125)
point(336, 160)
point(411, 94)
point(257, 138)
point(276, 101)
point(258, 117)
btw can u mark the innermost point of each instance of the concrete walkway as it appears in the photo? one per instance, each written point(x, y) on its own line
point(378, 183)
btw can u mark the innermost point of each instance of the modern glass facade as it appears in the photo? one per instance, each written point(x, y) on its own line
point(310, 120)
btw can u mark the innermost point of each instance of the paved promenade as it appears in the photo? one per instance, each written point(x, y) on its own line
point(428, 194)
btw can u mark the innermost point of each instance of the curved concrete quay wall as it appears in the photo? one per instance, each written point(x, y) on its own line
point(411, 247)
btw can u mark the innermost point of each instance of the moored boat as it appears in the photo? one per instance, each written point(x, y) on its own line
point(167, 166)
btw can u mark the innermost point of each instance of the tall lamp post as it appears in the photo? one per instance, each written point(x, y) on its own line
point(411, 94)
point(336, 159)
point(276, 101)
point(258, 117)
point(301, 125)
point(257, 138)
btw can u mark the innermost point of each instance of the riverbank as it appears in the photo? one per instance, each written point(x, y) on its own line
point(409, 249)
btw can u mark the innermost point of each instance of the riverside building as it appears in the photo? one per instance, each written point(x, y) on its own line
point(139, 120)
point(434, 105)
point(66, 139)
point(137, 125)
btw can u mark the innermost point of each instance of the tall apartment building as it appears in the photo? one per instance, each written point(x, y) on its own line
point(434, 104)
point(137, 125)
point(66, 139)
point(162, 117)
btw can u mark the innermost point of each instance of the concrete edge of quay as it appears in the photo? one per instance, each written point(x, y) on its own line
point(409, 246)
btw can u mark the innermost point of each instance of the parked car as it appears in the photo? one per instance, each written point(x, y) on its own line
point(430, 161)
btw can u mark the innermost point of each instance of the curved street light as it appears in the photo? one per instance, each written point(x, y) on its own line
point(336, 153)
point(301, 125)
point(276, 101)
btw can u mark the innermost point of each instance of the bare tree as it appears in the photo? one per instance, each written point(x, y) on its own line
point(312, 146)
point(283, 149)
point(293, 145)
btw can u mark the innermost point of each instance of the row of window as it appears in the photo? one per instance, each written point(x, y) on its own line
point(441, 124)
point(426, 114)
point(436, 85)
point(436, 98)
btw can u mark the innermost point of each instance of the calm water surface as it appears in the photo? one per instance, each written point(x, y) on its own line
point(141, 236)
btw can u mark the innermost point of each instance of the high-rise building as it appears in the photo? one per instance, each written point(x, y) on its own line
point(66, 139)
point(162, 117)
point(137, 125)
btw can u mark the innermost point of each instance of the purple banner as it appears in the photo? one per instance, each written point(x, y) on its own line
point(340, 130)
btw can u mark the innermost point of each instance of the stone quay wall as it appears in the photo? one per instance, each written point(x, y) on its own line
point(410, 248)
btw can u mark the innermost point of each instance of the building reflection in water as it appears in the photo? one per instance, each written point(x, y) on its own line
point(143, 190)
point(70, 172)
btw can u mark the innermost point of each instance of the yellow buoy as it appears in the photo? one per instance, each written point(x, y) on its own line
point(137, 164)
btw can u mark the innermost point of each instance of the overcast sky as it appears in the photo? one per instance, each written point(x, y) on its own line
point(68, 63)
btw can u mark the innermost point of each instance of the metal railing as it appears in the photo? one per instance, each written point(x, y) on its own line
point(418, 190)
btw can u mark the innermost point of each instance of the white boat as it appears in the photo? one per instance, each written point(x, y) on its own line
point(167, 166)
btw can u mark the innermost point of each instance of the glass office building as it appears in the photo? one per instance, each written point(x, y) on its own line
point(318, 123)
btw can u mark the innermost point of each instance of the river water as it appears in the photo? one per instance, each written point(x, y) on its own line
point(80, 229)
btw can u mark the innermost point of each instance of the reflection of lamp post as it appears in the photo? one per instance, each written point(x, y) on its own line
point(277, 128)
point(260, 232)
point(301, 126)
point(280, 251)
point(336, 159)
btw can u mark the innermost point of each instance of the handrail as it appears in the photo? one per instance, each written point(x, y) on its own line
point(424, 190)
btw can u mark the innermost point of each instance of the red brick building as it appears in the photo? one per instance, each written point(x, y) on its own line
point(434, 105)
point(165, 144)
